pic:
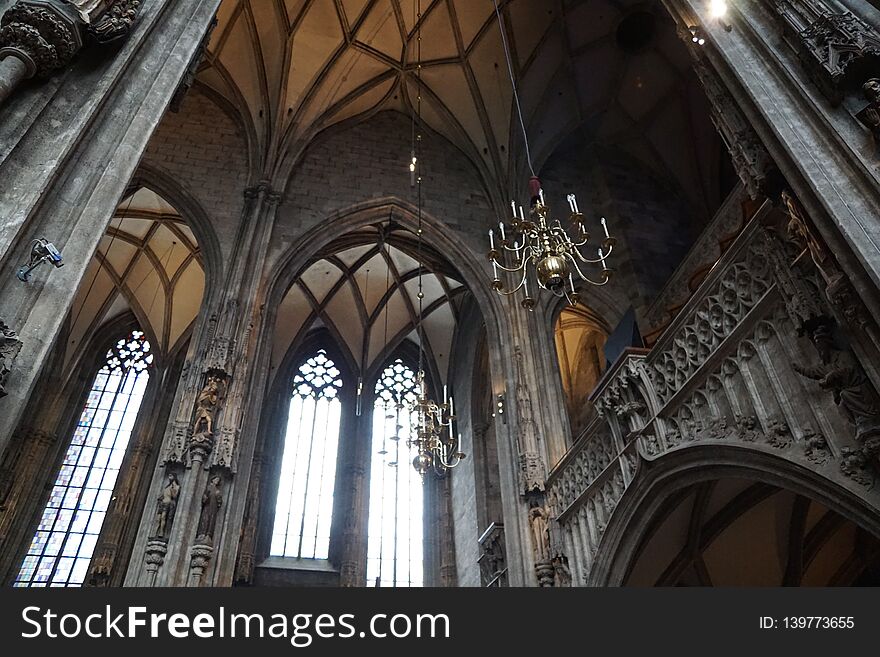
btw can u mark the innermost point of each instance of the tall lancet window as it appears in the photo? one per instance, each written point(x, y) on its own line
point(395, 554)
point(304, 507)
point(65, 539)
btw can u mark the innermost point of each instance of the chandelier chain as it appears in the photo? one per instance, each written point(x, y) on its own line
point(519, 113)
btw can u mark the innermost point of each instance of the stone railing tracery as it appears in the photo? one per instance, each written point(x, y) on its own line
point(755, 360)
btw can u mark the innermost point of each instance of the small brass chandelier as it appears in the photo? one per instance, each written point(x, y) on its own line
point(539, 241)
point(435, 441)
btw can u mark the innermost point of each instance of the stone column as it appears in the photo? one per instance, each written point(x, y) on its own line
point(202, 442)
point(68, 148)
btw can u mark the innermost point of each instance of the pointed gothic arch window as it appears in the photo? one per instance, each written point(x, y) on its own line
point(304, 506)
point(395, 551)
point(62, 546)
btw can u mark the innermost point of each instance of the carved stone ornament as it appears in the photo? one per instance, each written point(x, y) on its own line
point(870, 115)
point(538, 522)
point(838, 372)
point(10, 345)
point(532, 469)
point(751, 161)
point(44, 34)
point(828, 42)
point(492, 557)
point(200, 557)
point(154, 557)
point(561, 571)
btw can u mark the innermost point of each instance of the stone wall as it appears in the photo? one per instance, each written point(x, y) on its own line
point(371, 160)
point(205, 152)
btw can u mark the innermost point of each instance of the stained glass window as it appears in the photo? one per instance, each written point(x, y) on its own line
point(62, 546)
point(304, 508)
point(395, 554)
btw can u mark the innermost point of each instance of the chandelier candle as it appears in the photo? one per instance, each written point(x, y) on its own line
point(543, 245)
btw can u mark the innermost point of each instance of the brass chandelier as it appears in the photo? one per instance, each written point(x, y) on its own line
point(543, 243)
point(435, 441)
point(538, 241)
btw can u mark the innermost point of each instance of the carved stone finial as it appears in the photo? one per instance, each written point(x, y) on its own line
point(116, 22)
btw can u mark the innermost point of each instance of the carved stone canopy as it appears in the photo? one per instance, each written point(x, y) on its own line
point(839, 49)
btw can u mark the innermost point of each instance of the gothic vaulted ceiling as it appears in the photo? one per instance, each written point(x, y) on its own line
point(148, 264)
point(366, 294)
point(293, 68)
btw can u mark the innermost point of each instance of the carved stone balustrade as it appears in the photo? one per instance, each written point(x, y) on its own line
point(748, 363)
point(493, 570)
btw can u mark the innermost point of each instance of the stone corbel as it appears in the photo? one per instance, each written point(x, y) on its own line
point(10, 345)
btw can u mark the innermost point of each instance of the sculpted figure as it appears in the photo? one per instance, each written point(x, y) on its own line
point(838, 372)
point(540, 533)
point(206, 406)
point(167, 505)
point(212, 498)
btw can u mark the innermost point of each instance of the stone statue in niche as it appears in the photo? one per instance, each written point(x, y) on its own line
point(801, 230)
point(838, 372)
point(540, 532)
point(10, 345)
point(166, 506)
point(212, 498)
point(206, 406)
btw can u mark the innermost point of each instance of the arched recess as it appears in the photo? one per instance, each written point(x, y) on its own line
point(579, 336)
point(469, 270)
point(661, 486)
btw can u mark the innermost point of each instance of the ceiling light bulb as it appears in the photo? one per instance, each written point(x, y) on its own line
point(718, 8)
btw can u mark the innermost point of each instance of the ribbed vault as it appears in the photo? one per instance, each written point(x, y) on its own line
point(364, 291)
point(615, 68)
point(147, 263)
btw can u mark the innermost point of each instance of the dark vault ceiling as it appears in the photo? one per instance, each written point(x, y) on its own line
point(615, 68)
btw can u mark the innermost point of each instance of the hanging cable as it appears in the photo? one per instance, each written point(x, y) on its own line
point(122, 218)
point(519, 113)
point(418, 163)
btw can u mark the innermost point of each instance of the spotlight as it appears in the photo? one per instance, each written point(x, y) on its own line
point(718, 8)
point(41, 251)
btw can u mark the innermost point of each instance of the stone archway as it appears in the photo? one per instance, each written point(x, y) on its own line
point(660, 487)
